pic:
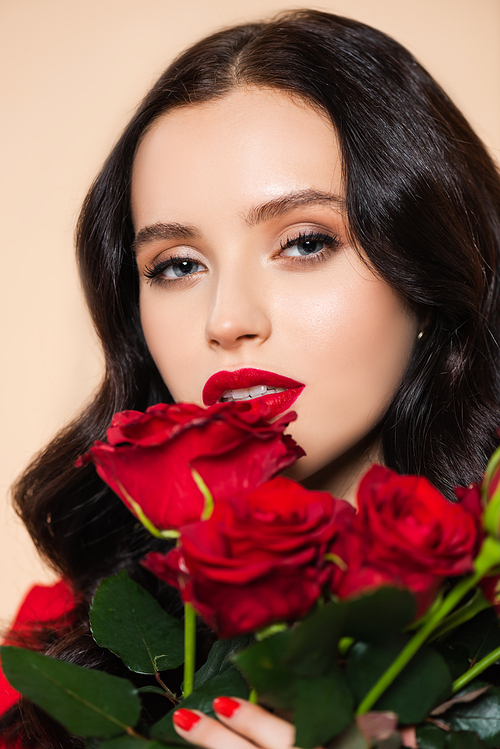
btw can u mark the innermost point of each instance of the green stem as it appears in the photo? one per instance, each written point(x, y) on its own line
point(477, 669)
point(189, 648)
point(488, 557)
point(170, 695)
point(464, 614)
point(132, 732)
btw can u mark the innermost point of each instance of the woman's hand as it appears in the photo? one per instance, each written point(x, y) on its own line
point(240, 725)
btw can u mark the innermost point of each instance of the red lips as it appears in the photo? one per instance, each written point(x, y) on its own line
point(220, 382)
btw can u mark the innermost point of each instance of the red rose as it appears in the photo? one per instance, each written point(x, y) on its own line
point(150, 455)
point(469, 497)
point(407, 534)
point(257, 560)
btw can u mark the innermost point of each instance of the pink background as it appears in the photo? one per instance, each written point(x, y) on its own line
point(71, 74)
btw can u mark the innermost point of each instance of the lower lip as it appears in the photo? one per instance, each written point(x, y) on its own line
point(277, 402)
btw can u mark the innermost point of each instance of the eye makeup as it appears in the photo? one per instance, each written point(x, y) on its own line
point(310, 246)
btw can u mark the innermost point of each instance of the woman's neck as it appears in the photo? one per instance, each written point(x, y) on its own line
point(342, 476)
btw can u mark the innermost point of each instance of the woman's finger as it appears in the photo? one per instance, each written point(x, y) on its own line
point(206, 732)
point(255, 723)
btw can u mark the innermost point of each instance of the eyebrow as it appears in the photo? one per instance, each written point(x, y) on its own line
point(162, 230)
point(282, 205)
point(265, 212)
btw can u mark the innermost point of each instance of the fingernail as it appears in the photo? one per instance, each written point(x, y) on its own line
point(225, 706)
point(185, 719)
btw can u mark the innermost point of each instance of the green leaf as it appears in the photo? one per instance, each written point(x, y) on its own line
point(129, 742)
point(151, 689)
point(456, 660)
point(127, 620)
point(479, 636)
point(430, 737)
point(322, 704)
point(220, 658)
point(86, 702)
point(463, 740)
point(263, 666)
point(424, 683)
point(375, 617)
point(230, 684)
point(323, 709)
point(481, 716)
point(312, 645)
point(352, 738)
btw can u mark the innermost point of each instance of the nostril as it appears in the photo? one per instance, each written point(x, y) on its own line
point(245, 337)
point(229, 324)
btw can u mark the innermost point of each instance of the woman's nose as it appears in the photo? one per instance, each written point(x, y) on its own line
point(237, 314)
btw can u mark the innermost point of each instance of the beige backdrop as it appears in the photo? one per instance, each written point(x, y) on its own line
point(72, 72)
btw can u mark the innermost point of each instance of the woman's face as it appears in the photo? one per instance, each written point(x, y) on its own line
point(245, 264)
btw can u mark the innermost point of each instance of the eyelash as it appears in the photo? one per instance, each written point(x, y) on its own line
point(332, 243)
point(153, 272)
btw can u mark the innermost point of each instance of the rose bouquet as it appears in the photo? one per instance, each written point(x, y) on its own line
point(374, 626)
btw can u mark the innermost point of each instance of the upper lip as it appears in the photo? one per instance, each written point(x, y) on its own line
point(221, 382)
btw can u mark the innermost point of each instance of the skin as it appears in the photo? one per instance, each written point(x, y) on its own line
point(249, 726)
point(242, 299)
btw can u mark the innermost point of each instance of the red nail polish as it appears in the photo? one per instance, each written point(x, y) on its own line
point(185, 719)
point(225, 706)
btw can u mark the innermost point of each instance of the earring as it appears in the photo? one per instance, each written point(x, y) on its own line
point(420, 334)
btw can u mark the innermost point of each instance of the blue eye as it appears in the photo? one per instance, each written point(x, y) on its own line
point(308, 244)
point(172, 269)
point(181, 268)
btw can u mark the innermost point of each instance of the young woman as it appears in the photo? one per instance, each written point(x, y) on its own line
point(297, 207)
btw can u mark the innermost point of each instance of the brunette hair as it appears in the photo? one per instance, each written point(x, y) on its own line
point(423, 201)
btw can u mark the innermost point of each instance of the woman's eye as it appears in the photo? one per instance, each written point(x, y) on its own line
point(172, 269)
point(309, 244)
point(182, 268)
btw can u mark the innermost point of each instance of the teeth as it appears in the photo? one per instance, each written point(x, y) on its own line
point(248, 393)
point(239, 395)
point(256, 391)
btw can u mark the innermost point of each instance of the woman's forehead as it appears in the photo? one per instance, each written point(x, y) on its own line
point(252, 147)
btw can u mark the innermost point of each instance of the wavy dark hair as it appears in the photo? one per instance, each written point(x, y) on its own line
point(423, 201)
